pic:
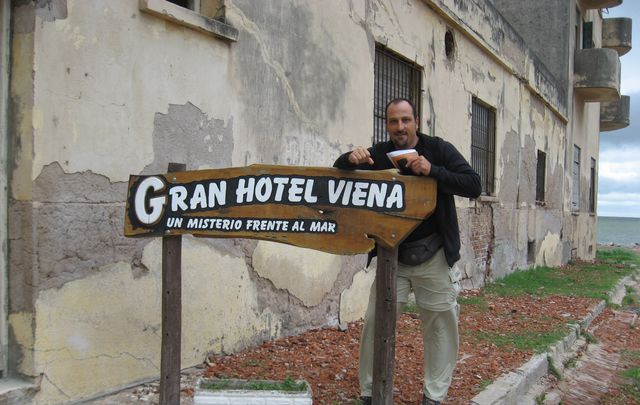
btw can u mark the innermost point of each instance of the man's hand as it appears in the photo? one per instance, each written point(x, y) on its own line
point(420, 166)
point(360, 155)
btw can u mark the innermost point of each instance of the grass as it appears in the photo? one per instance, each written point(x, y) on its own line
point(633, 388)
point(484, 384)
point(589, 280)
point(580, 279)
point(287, 385)
point(480, 302)
point(539, 342)
point(410, 308)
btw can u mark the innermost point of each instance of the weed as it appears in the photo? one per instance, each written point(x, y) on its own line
point(628, 300)
point(540, 398)
point(633, 388)
point(410, 307)
point(631, 354)
point(570, 363)
point(589, 338)
point(553, 370)
point(287, 385)
point(483, 384)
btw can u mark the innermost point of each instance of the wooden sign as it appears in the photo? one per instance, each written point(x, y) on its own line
point(327, 209)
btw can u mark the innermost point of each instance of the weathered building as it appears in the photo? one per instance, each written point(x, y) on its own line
point(93, 91)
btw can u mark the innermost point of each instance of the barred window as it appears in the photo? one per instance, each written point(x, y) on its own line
point(483, 143)
point(575, 194)
point(541, 171)
point(592, 187)
point(395, 77)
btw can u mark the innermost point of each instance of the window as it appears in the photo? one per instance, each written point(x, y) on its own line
point(575, 194)
point(541, 169)
point(205, 16)
point(592, 187)
point(395, 77)
point(483, 141)
point(577, 28)
point(587, 35)
point(208, 8)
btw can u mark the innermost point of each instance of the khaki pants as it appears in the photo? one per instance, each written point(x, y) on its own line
point(436, 288)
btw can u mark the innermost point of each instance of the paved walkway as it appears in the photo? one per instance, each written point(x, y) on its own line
point(597, 370)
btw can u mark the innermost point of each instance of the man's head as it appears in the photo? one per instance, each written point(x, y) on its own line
point(402, 123)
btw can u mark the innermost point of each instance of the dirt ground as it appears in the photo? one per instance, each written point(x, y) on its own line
point(328, 358)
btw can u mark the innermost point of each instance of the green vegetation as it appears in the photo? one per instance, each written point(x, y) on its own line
point(540, 399)
point(483, 384)
point(570, 363)
point(410, 307)
point(287, 385)
point(589, 338)
point(633, 388)
point(480, 302)
point(539, 342)
point(553, 370)
point(590, 280)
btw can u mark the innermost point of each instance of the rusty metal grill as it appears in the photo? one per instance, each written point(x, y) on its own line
point(483, 143)
point(395, 77)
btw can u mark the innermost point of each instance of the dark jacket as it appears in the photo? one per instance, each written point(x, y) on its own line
point(454, 176)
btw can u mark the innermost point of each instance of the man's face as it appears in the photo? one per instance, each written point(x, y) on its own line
point(402, 125)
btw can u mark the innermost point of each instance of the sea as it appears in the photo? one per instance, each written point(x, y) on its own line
point(618, 231)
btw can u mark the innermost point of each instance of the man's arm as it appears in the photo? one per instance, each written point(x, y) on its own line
point(455, 176)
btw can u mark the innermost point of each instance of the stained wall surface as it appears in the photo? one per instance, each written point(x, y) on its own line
point(92, 104)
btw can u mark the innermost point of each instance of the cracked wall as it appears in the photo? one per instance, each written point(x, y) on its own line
point(91, 106)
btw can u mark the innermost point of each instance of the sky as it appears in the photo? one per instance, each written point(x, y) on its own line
point(619, 167)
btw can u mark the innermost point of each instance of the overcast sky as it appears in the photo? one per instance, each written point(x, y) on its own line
point(619, 177)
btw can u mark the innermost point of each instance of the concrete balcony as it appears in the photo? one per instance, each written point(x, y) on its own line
point(616, 34)
point(597, 74)
point(614, 114)
point(591, 4)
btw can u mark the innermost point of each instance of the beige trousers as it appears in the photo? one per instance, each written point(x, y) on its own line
point(436, 288)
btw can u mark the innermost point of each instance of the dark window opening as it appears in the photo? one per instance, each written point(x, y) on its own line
point(483, 141)
point(449, 44)
point(531, 252)
point(592, 187)
point(395, 77)
point(587, 35)
point(209, 8)
point(183, 3)
point(575, 194)
point(541, 172)
point(577, 29)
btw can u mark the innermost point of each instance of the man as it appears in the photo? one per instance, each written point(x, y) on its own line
point(434, 283)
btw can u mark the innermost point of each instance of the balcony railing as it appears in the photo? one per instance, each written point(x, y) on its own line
point(614, 114)
point(616, 34)
point(597, 74)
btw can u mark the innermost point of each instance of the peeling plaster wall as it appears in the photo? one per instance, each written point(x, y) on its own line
point(90, 105)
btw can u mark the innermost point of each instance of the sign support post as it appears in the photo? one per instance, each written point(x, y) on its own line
point(171, 313)
point(384, 341)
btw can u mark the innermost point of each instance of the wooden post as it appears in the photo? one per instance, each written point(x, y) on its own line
point(171, 313)
point(385, 326)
